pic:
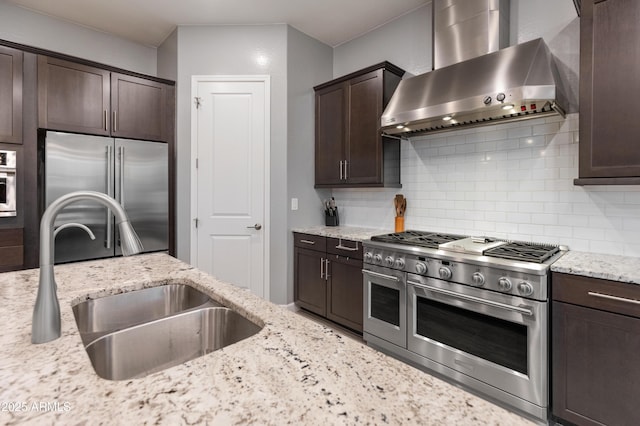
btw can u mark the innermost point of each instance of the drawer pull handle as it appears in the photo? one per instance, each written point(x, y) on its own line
point(308, 242)
point(616, 298)
point(341, 247)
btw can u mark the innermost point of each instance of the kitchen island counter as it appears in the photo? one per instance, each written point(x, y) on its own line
point(293, 371)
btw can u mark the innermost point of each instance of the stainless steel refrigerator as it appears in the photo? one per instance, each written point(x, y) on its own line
point(133, 172)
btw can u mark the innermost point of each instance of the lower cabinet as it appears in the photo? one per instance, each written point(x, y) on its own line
point(328, 278)
point(11, 249)
point(595, 347)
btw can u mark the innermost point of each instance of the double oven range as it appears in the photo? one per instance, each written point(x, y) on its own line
point(472, 309)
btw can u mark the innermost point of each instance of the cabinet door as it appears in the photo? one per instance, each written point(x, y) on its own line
point(11, 249)
point(72, 97)
point(609, 68)
point(138, 108)
point(10, 95)
point(595, 370)
point(344, 294)
point(331, 119)
point(309, 280)
point(364, 146)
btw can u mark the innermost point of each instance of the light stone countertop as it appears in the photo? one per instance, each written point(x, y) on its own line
point(596, 265)
point(347, 232)
point(294, 371)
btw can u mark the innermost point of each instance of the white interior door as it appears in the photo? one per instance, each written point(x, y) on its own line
point(231, 179)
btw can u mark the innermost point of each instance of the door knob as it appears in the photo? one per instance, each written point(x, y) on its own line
point(257, 227)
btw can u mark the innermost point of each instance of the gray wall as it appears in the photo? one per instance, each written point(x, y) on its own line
point(405, 42)
point(23, 26)
point(168, 57)
point(229, 50)
point(309, 63)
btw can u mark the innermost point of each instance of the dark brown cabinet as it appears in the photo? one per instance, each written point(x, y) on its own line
point(10, 95)
point(73, 97)
point(595, 347)
point(328, 278)
point(609, 66)
point(11, 249)
point(79, 98)
point(138, 108)
point(350, 150)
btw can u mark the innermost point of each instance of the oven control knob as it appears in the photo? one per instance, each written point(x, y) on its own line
point(389, 261)
point(444, 272)
point(504, 284)
point(368, 257)
point(478, 279)
point(525, 289)
point(400, 263)
point(421, 268)
point(377, 258)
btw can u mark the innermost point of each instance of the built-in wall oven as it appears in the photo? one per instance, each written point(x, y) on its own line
point(7, 183)
point(476, 311)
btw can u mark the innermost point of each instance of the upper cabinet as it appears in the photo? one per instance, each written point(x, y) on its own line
point(609, 66)
point(350, 150)
point(79, 98)
point(10, 95)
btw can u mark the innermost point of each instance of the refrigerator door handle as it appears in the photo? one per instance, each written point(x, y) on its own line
point(121, 200)
point(109, 232)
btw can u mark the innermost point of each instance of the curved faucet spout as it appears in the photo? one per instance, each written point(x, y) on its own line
point(46, 312)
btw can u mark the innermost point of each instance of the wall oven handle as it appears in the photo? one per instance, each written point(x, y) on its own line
point(379, 275)
point(473, 299)
point(616, 298)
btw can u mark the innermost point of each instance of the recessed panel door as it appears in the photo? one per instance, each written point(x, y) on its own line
point(232, 125)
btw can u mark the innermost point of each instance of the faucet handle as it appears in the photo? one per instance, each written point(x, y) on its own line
point(74, 225)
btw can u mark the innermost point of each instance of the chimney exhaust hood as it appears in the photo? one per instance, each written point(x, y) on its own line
point(514, 83)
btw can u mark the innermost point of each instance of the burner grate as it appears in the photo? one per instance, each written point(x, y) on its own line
point(527, 252)
point(417, 238)
point(434, 240)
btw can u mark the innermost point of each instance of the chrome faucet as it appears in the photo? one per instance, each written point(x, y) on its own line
point(46, 312)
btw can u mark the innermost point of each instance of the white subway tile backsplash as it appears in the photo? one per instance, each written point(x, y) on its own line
point(512, 180)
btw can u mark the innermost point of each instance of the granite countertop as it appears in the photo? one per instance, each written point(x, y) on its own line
point(596, 265)
point(293, 371)
point(347, 232)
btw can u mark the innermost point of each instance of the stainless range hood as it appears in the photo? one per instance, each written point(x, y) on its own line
point(515, 83)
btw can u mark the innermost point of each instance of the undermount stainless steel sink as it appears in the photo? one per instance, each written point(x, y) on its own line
point(97, 317)
point(134, 334)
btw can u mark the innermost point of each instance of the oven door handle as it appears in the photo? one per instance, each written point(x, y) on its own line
point(473, 299)
point(379, 275)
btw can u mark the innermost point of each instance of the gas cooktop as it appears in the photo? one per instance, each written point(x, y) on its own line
point(492, 247)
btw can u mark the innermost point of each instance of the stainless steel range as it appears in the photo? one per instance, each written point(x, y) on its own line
point(473, 309)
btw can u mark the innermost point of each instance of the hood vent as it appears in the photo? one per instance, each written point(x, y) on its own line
point(515, 83)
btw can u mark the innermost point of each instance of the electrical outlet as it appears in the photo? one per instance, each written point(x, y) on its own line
point(294, 204)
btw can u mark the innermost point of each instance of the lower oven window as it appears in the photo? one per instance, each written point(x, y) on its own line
point(385, 304)
point(3, 190)
point(493, 339)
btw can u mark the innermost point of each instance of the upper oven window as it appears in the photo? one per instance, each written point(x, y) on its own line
point(493, 339)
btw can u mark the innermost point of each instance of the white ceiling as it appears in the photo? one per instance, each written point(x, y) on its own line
point(149, 22)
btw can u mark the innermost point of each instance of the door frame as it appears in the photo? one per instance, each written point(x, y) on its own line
point(266, 80)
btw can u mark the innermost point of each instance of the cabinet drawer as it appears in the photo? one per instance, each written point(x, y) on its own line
point(612, 296)
point(11, 249)
point(310, 241)
point(347, 248)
